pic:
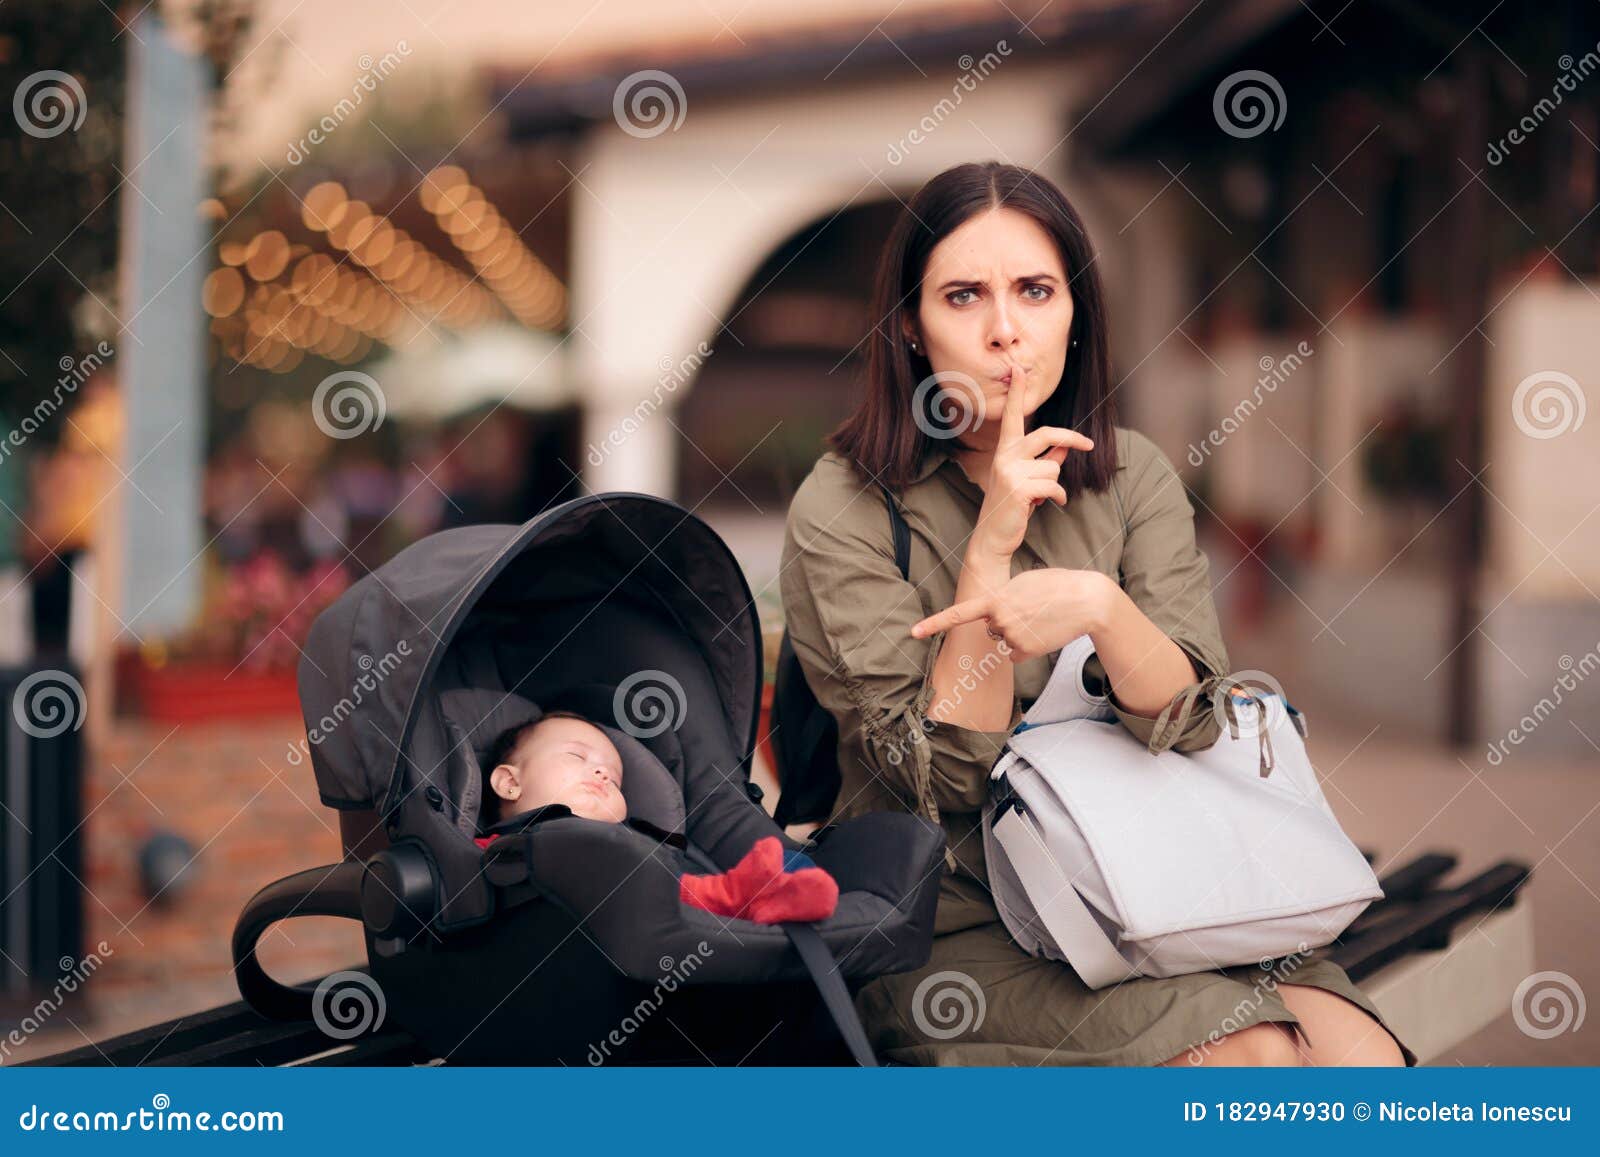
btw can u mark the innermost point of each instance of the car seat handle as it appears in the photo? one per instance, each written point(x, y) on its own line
point(331, 890)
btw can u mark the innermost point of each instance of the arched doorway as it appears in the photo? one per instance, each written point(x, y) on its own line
point(786, 367)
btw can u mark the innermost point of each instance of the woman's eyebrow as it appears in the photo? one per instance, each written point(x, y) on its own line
point(980, 284)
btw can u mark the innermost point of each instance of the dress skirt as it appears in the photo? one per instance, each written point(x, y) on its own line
point(981, 1000)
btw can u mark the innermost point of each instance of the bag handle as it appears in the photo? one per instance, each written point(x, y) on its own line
point(1170, 725)
point(1061, 910)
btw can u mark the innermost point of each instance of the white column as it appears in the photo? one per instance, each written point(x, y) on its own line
point(165, 257)
point(628, 444)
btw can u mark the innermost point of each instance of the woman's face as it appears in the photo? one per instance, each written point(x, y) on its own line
point(994, 297)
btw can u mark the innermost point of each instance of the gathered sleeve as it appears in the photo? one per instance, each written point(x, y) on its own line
point(1168, 578)
point(849, 615)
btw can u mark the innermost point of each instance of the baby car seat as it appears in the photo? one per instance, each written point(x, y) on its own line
point(566, 942)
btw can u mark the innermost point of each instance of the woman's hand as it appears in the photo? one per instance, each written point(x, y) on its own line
point(1025, 470)
point(1035, 613)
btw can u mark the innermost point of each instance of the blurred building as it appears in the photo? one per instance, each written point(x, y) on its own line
point(1355, 325)
point(1357, 332)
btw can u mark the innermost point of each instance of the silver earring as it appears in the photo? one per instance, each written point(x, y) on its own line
point(915, 348)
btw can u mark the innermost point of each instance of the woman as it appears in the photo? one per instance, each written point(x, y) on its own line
point(1034, 518)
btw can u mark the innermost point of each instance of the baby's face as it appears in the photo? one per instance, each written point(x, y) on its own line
point(564, 761)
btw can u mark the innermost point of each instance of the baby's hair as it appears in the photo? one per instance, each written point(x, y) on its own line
point(500, 751)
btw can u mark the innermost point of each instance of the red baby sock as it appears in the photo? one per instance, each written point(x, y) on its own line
point(757, 888)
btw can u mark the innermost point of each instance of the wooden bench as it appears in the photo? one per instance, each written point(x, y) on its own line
point(1438, 962)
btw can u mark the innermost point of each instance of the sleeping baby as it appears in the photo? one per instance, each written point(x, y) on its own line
point(563, 759)
point(559, 758)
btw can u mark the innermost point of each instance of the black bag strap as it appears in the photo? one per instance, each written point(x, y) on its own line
point(818, 958)
point(901, 532)
point(805, 749)
point(816, 729)
point(817, 722)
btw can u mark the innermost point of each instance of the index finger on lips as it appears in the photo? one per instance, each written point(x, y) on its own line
point(1011, 416)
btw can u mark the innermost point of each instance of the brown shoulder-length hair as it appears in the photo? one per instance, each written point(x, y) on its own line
point(883, 439)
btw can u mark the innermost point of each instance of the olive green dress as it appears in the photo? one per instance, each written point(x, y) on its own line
point(980, 999)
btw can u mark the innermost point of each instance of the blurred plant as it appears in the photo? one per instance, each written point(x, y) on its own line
point(258, 612)
point(64, 183)
point(437, 107)
point(62, 187)
point(218, 28)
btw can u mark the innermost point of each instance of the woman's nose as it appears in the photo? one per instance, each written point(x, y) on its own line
point(1002, 327)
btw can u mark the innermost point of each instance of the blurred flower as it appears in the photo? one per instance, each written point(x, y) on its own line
point(259, 611)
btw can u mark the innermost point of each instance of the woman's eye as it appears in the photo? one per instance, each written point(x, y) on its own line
point(951, 298)
point(1043, 289)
